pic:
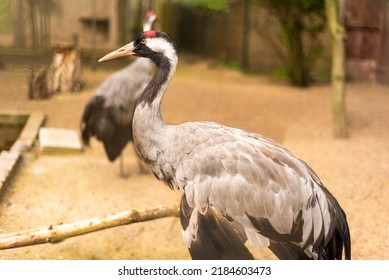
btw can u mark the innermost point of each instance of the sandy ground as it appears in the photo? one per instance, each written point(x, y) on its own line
point(52, 189)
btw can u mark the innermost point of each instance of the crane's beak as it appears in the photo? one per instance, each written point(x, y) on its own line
point(123, 51)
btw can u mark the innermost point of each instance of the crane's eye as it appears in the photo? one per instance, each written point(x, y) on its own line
point(144, 41)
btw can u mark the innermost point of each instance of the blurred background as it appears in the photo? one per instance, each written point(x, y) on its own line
point(261, 65)
point(252, 35)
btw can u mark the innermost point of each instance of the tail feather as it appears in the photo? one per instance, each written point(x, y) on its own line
point(288, 251)
point(98, 122)
point(340, 242)
point(92, 113)
point(115, 144)
point(215, 237)
point(337, 246)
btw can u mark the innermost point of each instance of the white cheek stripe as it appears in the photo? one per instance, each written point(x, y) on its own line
point(162, 46)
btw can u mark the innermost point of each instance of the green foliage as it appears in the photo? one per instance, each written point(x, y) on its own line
point(297, 42)
point(232, 65)
point(5, 15)
point(215, 5)
point(279, 73)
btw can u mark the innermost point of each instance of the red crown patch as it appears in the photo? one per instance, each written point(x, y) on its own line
point(150, 13)
point(150, 34)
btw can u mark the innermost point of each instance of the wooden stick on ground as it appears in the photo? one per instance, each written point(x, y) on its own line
point(57, 233)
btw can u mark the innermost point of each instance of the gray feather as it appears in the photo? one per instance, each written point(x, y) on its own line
point(251, 179)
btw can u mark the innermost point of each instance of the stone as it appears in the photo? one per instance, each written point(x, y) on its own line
point(59, 140)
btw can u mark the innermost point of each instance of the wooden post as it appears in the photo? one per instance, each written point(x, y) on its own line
point(19, 21)
point(64, 74)
point(383, 60)
point(38, 84)
point(66, 69)
point(122, 15)
point(33, 24)
point(334, 10)
point(94, 35)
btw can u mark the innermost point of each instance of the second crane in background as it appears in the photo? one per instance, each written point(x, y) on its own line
point(108, 115)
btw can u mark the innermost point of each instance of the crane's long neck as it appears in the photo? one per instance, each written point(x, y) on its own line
point(148, 125)
point(148, 24)
point(151, 98)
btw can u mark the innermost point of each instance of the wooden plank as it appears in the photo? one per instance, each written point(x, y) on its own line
point(59, 140)
point(29, 133)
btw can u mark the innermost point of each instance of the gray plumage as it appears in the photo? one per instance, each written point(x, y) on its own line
point(236, 185)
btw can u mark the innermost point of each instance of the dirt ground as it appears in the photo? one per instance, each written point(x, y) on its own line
point(52, 189)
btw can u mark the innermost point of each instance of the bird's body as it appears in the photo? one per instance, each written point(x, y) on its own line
point(236, 185)
point(108, 115)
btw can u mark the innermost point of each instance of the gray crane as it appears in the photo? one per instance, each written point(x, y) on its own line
point(236, 185)
point(108, 115)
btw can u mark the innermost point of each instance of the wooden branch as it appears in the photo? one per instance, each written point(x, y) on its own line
point(58, 233)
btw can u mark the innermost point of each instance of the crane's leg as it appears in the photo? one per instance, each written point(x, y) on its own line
point(121, 166)
point(143, 169)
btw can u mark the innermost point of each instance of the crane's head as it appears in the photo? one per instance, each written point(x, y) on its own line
point(155, 45)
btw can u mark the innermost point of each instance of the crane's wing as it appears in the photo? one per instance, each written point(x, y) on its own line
point(98, 121)
point(261, 186)
point(108, 115)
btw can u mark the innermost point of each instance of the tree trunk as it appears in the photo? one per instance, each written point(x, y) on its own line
point(297, 68)
point(66, 69)
point(246, 35)
point(334, 10)
point(64, 74)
